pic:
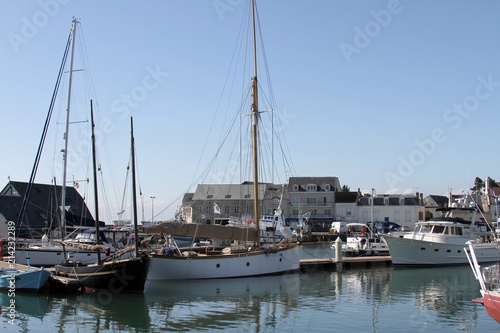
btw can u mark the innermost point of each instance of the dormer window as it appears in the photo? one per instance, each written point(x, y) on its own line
point(328, 187)
point(312, 188)
point(295, 187)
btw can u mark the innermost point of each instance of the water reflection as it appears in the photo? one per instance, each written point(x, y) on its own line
point(446, 291)
point(374, 300)
point(222, 303)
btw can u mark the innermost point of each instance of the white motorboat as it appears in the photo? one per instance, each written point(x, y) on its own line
point(361, 240)
point(441, 241)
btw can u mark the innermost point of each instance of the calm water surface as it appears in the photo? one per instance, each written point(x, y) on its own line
point(379, 299)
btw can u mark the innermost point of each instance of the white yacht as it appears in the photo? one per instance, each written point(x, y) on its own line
point(441, 241)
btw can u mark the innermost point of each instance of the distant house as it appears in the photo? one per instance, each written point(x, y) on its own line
point(404, 209)
point(43, 211)
point(231, 200)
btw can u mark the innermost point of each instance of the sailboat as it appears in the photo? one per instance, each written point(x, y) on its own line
point(116, 276)
point(239, 260)
point(48, 252)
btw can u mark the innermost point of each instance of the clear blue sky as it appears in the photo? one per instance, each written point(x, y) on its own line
point(400, 96)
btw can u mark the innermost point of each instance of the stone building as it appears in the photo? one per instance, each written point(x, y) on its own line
point(218, 203)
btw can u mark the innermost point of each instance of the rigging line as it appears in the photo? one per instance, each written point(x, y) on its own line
point(232, 63)
point(122, 207)
point(27, 195)
point(89, 82)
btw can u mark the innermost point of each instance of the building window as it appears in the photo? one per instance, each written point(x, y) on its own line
point(198, 210)
point(410, 202)
point(227, 196)
point(295, 187)
point(393, 201)
point(226, 209)
point(328, 212)
point(311, 188)
point(295, 202)
point(311, 201)
point(396, 216)
point(276, 201)
point(236, 209)
point(328, 187)
point(407, 216)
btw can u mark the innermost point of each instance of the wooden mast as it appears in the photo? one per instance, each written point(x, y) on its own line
point(255, 120)
point(96, 198)
point(134, 195)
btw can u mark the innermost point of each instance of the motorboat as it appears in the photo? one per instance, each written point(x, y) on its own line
point(361, 240)
point(441, 240)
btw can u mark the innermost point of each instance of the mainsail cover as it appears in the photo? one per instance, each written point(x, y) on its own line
point(205, 230)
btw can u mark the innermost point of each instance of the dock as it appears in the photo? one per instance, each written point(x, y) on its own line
point(346, 262)
point(6, 263)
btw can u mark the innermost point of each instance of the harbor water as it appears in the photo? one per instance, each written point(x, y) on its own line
point(376, 299)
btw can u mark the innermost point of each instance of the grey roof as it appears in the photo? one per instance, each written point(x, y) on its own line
point(227, 191)
point(43, 207)
point(319, 181)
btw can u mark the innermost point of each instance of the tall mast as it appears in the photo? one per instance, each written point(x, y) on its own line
point(255, 119)
point(134, 195)
point(65, 137)
point(94, 164)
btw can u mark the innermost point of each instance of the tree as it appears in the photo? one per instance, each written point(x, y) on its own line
point(478, 185)
point(345, 188)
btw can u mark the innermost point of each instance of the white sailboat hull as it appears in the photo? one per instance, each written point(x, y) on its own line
point(255, 263)
point(53, 255)
point(415, 252)
point(49, 255)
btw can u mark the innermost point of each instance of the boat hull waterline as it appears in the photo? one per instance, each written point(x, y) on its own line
point(122, 276)
point(53, 255)
point(32, 280)
point(414, 252)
